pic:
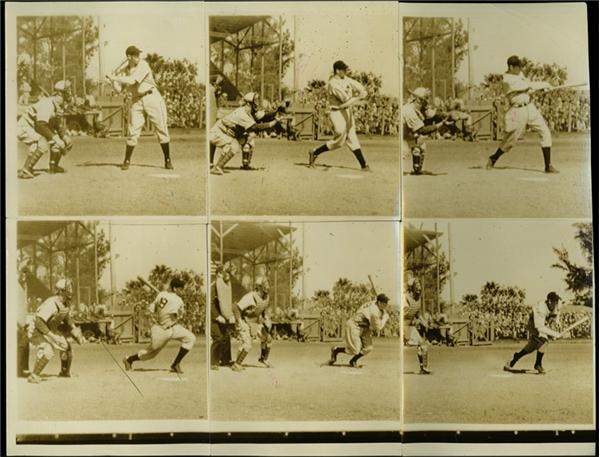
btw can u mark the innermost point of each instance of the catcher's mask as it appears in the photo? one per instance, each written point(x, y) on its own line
point(63, 89)
point(63, 287)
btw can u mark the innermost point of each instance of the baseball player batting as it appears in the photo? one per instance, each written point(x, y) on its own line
point(146, 100)
point(522, 114)
point(165, 309)
point(41, 131)
point(343, 92)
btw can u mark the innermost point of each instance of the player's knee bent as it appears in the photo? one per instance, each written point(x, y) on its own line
point(188, 341)
point(366, 350)
point(45, 350)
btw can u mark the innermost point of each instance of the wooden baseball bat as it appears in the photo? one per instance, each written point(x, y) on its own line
point(154, 288)
point(564, 86)
point(572, 326)
point(373, 289)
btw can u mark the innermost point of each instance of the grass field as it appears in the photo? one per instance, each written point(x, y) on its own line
point(95, 185)
point(284, 185)
point(468, 385)
point(297, 388)
point(460, 186)
point(100, 391)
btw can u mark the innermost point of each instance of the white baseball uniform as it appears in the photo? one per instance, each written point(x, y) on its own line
point(522, 113)
point(54, 312)
point(358, 330)
point(44, 109)
point(166, 308)
point(340, 90)
point(247, 304)
point(412, 120)
point(225, 132)
point(146, 101)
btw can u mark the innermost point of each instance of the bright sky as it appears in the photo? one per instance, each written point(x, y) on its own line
point(138, 247)
point(365, 43)
point(350, 250)
point(547, 33)
point(508, 252)
point(175, 37)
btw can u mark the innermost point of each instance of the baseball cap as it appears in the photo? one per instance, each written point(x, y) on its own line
point(176, 283)
point(62, 85)
point(133, 51)
point(420, 92)
point(339, 65)
point(552, 296)
point(514, 61)
point(382, 298)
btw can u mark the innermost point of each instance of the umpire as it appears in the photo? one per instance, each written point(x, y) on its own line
point(222, 320)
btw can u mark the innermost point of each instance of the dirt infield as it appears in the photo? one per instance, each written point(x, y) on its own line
point(468, 385)
point(517, 187)
point(297, 388)
point(284, 185)
point(95, 185)
point(100, 391)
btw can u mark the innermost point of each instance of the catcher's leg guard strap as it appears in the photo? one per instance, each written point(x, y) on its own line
point(40, 364)
point(241, 356)
point(66, 358)
point(418, 158)
point(33, 158)
point(226, 156)
point(246, 158)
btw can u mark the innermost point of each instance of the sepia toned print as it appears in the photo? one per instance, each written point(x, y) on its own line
point(114, 315)
point(505, 307)
point(117, 111)
point(302, 109)
point(296, 331)
point(491, 116)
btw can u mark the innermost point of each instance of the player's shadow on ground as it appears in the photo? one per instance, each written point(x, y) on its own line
point(325, 167)
point(481, 167)
point(341, 365)
point(250, 365)
point(118, 165)
point(151, 369)
point(522, 371)
point(424, 173)
point(413, 372)
point(230, 169)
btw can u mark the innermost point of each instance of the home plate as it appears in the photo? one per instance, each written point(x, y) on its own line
point(350, 176)
point(164, 175)
point(534, 179)
point(171, 379)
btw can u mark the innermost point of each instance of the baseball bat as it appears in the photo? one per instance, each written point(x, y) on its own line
point(564, 86)
point(373, 289)
point(120, 67)
point(153, 287)
point(572, 326)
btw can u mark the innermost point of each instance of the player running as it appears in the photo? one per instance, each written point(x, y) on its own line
point(253, 306)
point(358, 331)
point(51, 326)
point(146, 101)
point(343, 92)
point(40, 129)
point(541, 315)
point(229, 132)
point(166, 310)
point(522, 114)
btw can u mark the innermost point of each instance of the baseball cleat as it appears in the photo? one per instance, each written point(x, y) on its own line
point(540, 369)
point(265, 363)
point(237, 367)
point(216, 170)
point(550, 169)
point(125, 166)
point(34, 379)
point(311, 158)
point(424, 370)
point(489, 165)
point(127, 364)
point(507, 367)
point(64, 374)
point(24, 173)
point(168, 165)
point(56, 169)
point(176, 369)
point(366, 168)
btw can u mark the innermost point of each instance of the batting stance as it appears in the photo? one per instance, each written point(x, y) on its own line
point(230, 131)
point(522, 114)
point(146, 100)
point(414, 128)
point(41, 130)
point(252, 306)
point(541, 316)
point(51, 326)
point(358, 332)
point(343, 92)
point(166, 309)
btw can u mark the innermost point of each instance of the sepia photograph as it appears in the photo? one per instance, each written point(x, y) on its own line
point(499, 323)
point(110, 324)
point(496, 124)
point(107, 110)
point(304, 324)
point(304, 107)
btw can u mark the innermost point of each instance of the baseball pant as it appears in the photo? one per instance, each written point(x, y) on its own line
point(344, 130)
point(516, 121)
point(153, 106)
point(535, 343)
point(161, 336)
point(223, 141)
point(27, 135)
point(220, 349)
point(357, 340)
point(244, 336)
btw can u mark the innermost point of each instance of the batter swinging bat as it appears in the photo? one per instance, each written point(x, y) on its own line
point(572, 326)
point(564, 86)
point(154, 288)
